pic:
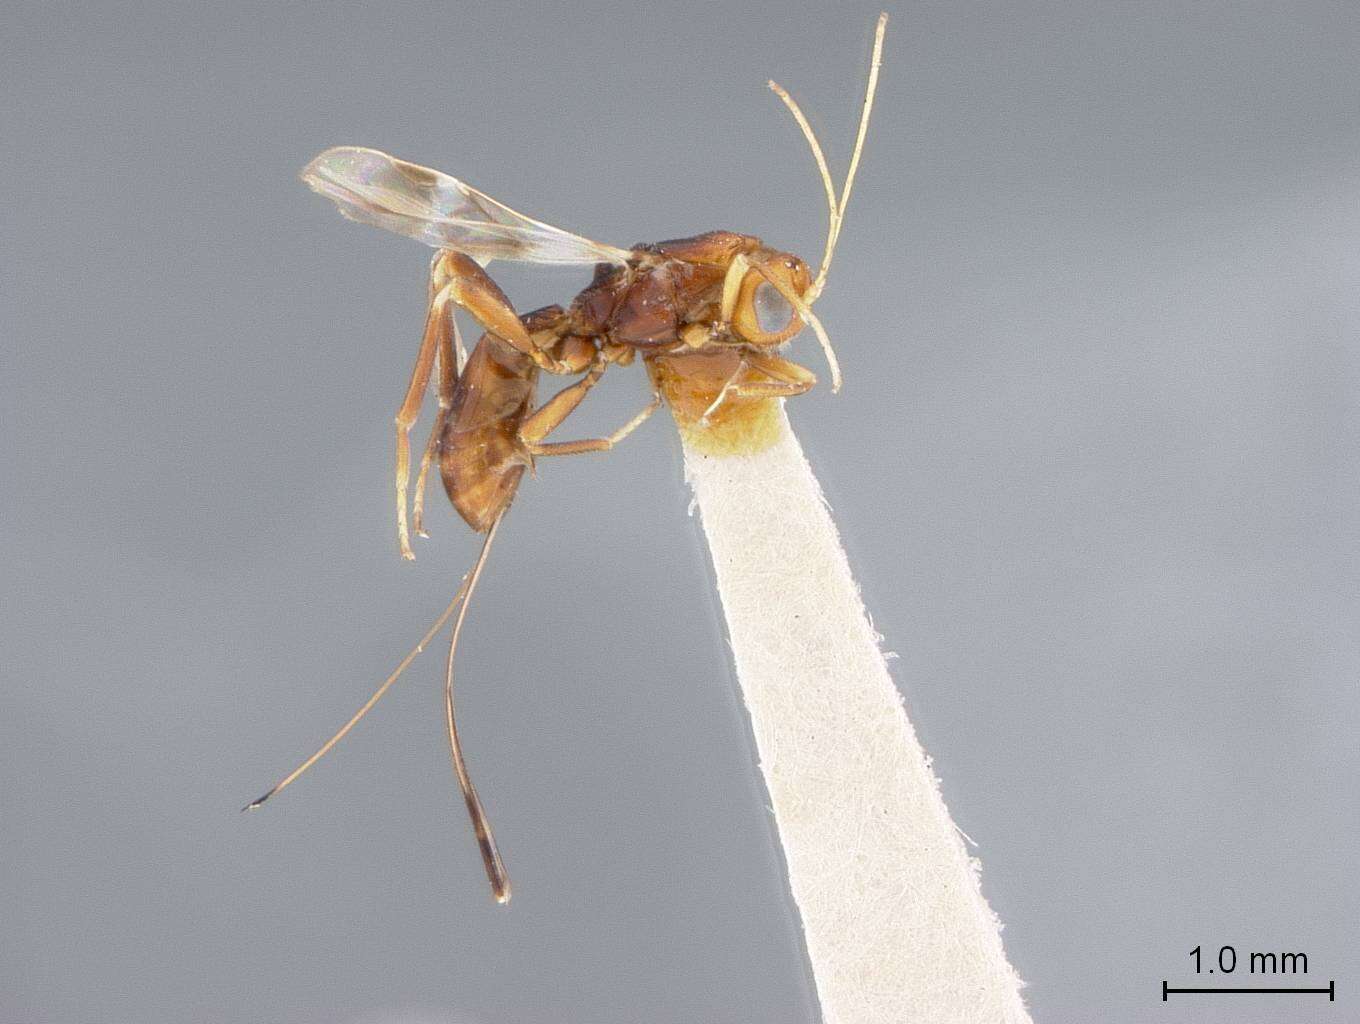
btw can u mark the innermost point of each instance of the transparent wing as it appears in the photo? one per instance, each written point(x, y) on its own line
point(441, 211)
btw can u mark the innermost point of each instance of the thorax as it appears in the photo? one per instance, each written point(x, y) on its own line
point(665, 286)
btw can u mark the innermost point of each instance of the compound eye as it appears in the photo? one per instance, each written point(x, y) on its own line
point(773, 311)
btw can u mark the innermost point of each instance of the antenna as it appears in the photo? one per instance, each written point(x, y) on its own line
point(836, 207)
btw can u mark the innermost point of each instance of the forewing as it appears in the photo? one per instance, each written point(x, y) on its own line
point(439, 210)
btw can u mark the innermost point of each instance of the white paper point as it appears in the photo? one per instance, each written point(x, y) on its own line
point(896, 927)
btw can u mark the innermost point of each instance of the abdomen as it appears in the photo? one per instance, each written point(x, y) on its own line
point(481, 459)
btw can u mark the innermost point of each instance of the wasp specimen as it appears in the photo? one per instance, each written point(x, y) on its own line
point(707, 315)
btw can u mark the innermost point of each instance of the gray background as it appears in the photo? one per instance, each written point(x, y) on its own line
point(1095, 462)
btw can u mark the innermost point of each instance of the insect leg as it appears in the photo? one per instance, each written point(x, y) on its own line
point(736, 271)
point(437, 325)
point(593, 444)
point(726, 390)
point(451, 359)
point(368, 705)
point(549, 416)
point(783, 378)
point(486, 842)
point(471, 287)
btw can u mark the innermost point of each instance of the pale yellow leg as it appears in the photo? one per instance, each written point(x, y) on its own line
point(783, 380)
point(726, 390)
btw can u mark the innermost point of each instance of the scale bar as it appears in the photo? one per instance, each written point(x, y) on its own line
point(1329, 991)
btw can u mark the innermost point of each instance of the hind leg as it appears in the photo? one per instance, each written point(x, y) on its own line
point(471, 288)
point(437, 333)
point(451, 359)
point(550, 416)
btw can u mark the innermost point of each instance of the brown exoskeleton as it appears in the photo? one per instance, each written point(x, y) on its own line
point(707, 314)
